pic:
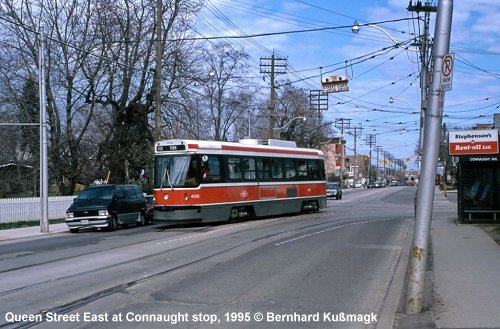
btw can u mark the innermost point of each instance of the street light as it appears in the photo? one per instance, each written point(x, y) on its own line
point(304, 119)
point(392, 99)
point(355, 29)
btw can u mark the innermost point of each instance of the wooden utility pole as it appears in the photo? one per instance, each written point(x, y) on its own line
point(273, 66)
point(371, 139)
point(427, 8)
point(355, 131)
point(342, 124)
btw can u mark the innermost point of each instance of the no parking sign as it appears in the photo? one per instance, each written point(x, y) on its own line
point(447, 72)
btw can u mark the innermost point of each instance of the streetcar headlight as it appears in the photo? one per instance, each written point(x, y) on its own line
point(165, 197)
point(186, 196)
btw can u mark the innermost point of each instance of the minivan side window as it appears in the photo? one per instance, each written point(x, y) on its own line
point(119, 193)
point(130, 192)
point(138, 192)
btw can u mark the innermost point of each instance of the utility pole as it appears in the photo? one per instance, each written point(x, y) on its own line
point(273, 66)
point(157, 73)
point(378, 149)
point(371, 139)
point(318, 101)
point(433, 118)
point(384, 154)
point(342, 124)
point(427, 8)
point(357, 131)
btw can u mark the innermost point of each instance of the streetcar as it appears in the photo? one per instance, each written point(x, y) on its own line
point(198, 181)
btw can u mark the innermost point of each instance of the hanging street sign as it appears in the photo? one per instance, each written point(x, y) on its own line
point(335, 84)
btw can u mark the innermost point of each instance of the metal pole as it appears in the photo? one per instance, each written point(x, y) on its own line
point(433, 118)
point(44, 181)
point(157, 73)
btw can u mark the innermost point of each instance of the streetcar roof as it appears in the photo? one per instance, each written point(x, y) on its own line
point(253, 146)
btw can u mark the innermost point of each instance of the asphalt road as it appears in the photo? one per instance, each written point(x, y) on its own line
point(330, 269)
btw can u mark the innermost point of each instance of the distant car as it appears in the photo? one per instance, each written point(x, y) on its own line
point(334, 190)
point(393, 183)
point(150, 205)
point(107, 206)
point(358, 185)
point(370, 185)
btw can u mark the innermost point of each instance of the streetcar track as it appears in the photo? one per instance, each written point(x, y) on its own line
point(77, 255)
point(8, 292)
point(68, 307)
point(243, 228)
point(275, 222)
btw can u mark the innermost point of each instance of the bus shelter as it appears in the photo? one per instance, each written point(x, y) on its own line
point(479, 188)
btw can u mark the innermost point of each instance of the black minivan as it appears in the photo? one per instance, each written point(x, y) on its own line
point(107, 206)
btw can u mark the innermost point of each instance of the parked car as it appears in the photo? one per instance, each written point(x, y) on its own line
point(150, 205)
point(107, 206)
point(334, 190)
point(370, 185)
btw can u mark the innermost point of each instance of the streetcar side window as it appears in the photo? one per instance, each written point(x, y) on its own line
point(302, 168)
point(290, 172)
point(322, 174)
point(312, 169)
point(263, 166)
point(234, 168)
point(249, 168)
point(210, 168)
point(276, 170)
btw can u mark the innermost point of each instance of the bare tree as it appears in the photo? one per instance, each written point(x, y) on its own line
point(223, 87)
point(99, 56)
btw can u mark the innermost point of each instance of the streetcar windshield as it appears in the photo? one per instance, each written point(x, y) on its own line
point(175, 171)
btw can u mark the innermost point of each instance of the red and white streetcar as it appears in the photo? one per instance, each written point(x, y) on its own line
point(207, 181)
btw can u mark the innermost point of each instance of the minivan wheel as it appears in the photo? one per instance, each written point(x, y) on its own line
point(112, 223)
point(74, 230)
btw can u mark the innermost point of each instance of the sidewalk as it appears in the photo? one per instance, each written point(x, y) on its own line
point(32, 231)
point(464, 275)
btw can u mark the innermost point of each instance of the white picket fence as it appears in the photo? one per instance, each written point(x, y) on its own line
point(28, 209)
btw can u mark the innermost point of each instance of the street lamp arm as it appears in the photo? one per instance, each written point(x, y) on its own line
point(392, 99)
point(355, 29)
point(385, 32)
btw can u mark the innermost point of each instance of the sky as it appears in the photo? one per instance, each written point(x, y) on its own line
point(375, 67)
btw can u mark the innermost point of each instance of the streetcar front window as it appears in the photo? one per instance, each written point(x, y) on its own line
point(175, 171)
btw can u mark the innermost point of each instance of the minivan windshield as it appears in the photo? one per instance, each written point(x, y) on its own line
point(333, 185)
point(101, 192)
